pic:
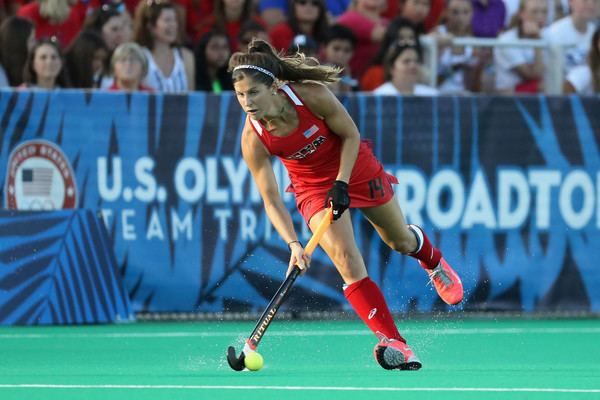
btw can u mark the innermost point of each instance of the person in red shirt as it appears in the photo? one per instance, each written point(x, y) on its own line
point(369, 28)
point(60, 19)
point(305, 126)
point(193, 12)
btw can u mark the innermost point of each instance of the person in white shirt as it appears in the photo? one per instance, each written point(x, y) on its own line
point(585, 79)
point(170, 65)
point(575, 30)
point(520, 69)
point(402, 66)
point(460, 68)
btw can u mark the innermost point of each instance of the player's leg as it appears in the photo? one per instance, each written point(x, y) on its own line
point(389, 222)
point(363, 294)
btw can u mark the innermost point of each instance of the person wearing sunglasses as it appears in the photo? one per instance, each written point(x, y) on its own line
point(306, 17)
point(274, 12)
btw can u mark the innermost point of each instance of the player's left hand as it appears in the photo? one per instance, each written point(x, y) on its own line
point(338, 198)
point(298, 257)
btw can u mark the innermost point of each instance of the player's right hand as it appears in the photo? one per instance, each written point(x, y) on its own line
point(338, 198)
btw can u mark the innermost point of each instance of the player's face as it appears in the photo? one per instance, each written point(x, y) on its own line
point(255, 97)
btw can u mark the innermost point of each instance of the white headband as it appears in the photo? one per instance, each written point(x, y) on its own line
point(256, 67)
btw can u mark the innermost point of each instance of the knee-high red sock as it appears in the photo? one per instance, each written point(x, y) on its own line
point(368, 302)
point(425, 252)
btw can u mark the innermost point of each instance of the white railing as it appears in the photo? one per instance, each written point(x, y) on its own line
point(553, 71)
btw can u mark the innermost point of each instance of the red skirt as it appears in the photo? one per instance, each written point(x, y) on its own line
point(369, 186)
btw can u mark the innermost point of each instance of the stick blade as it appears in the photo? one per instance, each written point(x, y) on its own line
point(236, 363)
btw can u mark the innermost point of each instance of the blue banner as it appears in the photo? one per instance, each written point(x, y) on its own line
point(507, 187)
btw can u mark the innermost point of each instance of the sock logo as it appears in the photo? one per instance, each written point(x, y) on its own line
point(372, 313)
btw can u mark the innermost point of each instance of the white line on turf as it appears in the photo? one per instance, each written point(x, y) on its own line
point(317, 332)
point(299, 388)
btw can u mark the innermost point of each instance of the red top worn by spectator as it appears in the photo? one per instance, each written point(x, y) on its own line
point(64, 32)
point(365, 49)
point(195, 12)
point(281, 36)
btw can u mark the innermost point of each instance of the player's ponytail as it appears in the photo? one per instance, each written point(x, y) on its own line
point(268, 64)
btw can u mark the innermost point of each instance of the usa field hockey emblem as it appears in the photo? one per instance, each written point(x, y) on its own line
point(311, 131)
point(39, 177)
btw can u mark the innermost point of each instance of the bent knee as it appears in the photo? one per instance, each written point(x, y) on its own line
point(404, 244)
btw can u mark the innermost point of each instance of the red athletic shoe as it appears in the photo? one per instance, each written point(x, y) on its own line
point(394, 354)
point(446, 282)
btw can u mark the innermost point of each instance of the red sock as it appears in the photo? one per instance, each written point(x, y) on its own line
point(368, 302)
point(425, 251)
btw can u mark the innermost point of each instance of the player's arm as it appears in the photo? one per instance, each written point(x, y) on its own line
point(259, 163)
point(324, 104)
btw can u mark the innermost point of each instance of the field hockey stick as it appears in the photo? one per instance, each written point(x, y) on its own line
point(237, 363)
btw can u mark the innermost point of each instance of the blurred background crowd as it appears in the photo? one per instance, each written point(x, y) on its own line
point(184, 45)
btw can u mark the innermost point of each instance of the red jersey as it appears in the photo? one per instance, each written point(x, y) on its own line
point(65, 31)
point(311, 155)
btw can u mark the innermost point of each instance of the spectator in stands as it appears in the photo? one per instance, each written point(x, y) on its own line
point(111, 22)
point(251, 30)
point(521, 69)
point(17, 39)
point(44, 68)
point(416, 11)
point(228, 16)
point(399, 29)
point(585, 79)
point(212, 57)
point(459, 69)
point(575, 30)
point(274, 12)
point(86, 60)
point(402, 65)
point(488, 17)
point(129, 65)
point(337, 51)
point(306, 17)
point(369, 28)
point(61, 19)
point(170, 66)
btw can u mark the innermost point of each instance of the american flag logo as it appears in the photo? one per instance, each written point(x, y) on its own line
point(37, 181)
point(311, 131)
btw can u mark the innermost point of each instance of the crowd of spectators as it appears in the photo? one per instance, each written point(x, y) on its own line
point(177, 46)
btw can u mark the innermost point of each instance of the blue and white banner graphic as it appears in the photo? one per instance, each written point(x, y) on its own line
point(508, 188)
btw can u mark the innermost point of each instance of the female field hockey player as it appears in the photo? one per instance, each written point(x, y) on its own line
point(294, 116)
